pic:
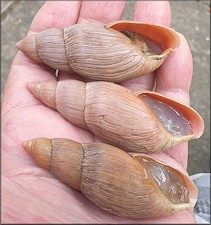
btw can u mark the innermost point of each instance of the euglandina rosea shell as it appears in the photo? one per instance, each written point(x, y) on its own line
point(140, 122)
point(134, 186)
point(113, 52)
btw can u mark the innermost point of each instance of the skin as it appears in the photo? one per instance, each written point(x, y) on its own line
point(31, 194)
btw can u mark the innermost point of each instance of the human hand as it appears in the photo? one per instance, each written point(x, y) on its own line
point(24, 117)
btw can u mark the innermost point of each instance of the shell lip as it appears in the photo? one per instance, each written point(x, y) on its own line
point(197, 122)
point(193, 190)
point(167, 38)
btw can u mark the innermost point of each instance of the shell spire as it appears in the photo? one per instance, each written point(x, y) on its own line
point(41, 155)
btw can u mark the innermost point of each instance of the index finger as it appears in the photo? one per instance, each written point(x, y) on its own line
point(173, 78)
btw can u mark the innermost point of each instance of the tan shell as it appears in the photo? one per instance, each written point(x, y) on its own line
point(117, 115)
point(119, 183)
point(102, 52)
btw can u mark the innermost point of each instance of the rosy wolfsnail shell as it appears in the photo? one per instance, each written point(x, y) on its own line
point(134, 186)
point(140, 122)
point(113, 52)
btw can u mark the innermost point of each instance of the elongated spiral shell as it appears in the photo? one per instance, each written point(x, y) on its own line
point(114, 52)
point(139, 122)
point(134, 186)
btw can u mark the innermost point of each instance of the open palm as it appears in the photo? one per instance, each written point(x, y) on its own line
point(31, 194)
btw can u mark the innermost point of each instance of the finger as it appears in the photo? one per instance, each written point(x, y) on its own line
point(173, 79)
point(157, 12)
point(56, 14)
point(101, 11)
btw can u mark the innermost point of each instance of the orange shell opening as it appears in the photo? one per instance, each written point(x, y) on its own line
point(164, 36)
point(196, 120)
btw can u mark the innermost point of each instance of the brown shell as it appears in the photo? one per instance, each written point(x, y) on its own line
point(103, 52)
point(115, 181)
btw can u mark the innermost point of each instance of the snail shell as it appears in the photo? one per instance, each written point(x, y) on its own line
point(114, 52)
point(140, 121)
point(134, 186)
